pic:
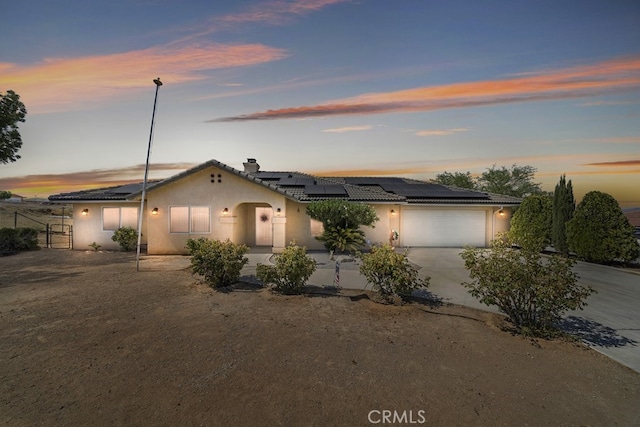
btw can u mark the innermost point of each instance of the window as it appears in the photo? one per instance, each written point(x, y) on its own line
point(316, 228)
point(189, 219)
point(114, 218)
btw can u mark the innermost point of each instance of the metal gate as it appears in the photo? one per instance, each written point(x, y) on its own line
point(60, 236)
point(56, 236)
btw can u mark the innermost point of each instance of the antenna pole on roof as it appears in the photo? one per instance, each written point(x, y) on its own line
point(158, 83)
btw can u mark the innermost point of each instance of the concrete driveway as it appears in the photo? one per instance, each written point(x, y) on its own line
point(610, 323)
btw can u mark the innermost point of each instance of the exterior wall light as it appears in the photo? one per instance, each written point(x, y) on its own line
point(154, 211)
point(393, 212)
point(225, 211)
point(85, 212)
point(501, 211)
point(278, 212)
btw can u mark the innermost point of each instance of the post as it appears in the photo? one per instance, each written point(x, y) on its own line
point(158, 83)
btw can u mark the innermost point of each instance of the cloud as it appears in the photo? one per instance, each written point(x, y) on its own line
point(348, 129)
point(566, 83)
point(276, 12)
point(46, 184)
point(63, 83)
point(605, 103)
point(622, 163)
point(619, 140)
point(440, 132)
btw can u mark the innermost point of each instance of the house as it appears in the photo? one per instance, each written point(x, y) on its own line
point(268, 209)
point(15, 198)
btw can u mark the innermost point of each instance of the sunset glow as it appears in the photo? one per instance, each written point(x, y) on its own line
point(329, 87)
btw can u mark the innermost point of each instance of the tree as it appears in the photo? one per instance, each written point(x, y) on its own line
point(599, 231)
point(563, 207)
point(532, 289)
point(517, 181)
point(456, 179)
point(341, 220)
point(531, 223)
point(12, 111)
point(5, 195)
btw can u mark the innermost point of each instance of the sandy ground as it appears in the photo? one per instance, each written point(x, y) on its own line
point(87, 340)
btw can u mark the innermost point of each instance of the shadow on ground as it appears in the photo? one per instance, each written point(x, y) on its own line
point(594, 333)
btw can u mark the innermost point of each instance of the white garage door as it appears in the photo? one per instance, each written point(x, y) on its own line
point(443, 228)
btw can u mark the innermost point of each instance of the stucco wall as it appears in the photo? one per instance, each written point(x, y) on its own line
point(87, 229)
point(227, 190)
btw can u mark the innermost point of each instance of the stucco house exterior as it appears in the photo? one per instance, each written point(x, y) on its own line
point(268, 209)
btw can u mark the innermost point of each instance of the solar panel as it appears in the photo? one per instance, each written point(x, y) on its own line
point(125, 189)
point(325, 190)
point(272, 176)
point(296, 182)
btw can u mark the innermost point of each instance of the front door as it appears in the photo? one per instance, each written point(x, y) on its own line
point(264, 228)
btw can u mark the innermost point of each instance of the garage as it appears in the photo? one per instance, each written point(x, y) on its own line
point(443, 227)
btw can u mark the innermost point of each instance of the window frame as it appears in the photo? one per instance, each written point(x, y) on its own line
point(192, 225)
point(120, 217)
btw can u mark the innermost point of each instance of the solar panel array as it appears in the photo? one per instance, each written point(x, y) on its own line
point(413, 190)
point(408, 189)
point(297, 182)
point(325, 190)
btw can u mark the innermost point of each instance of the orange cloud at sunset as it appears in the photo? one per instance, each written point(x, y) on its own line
point(617, 163)
point(348, 129)
point(573, 82)
point(47, 184)
point(58, 84)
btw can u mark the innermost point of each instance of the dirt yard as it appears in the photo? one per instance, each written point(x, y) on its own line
point(87, 340)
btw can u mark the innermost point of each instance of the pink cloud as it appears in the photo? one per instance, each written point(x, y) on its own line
point(441, 132)
point(348, 129)
point(573, 82)
point(64, 83)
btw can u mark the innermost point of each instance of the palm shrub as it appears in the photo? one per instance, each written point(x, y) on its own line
point(390, 273)
point(532, 289)
point(342, 239)
point(291, 271)
point(218, 262)
point(126, 237)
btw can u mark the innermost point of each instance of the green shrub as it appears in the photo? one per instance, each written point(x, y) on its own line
point(391, 273)
point(599, 231)
point(219, 262)
point(291, 271)
point(126, 237)
point(532, 222)
point(13, 240)
point(533, 290)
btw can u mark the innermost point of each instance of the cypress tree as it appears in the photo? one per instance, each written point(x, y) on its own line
point(563, 207)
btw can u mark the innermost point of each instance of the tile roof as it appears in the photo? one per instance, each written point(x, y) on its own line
point(308, 188)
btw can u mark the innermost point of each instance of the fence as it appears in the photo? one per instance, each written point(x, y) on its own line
point(56, 235)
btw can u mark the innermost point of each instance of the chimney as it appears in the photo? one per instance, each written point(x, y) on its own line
point(251, 166)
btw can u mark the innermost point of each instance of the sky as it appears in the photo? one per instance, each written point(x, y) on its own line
point(330, 87)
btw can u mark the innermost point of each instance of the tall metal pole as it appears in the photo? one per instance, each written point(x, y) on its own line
point(146, 174)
